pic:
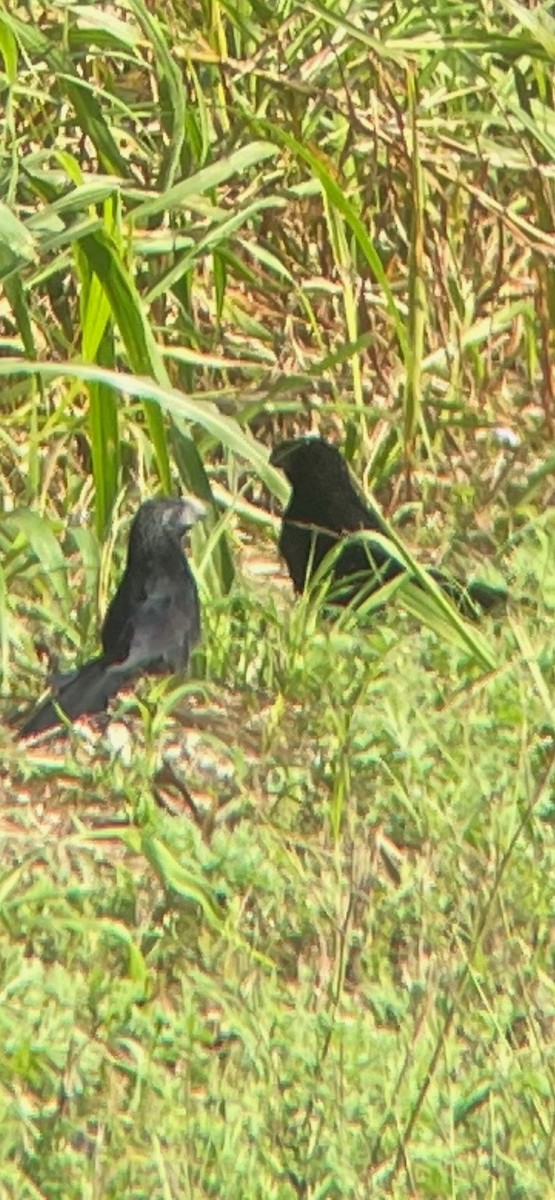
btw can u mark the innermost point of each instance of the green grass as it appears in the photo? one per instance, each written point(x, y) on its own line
point(332, 972)
point(283, 928)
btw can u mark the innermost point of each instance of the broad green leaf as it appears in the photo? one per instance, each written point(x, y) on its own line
point(187, 881)
point(221, 427)
point(128, 316)
point(91, 17)
point(16, 243)
point(37, 533)
point(8, 50)
point(206, 179)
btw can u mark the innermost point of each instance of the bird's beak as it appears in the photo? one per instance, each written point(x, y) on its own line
point(191, 511)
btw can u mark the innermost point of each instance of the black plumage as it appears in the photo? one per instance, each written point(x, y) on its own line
point(151, 624)
point(324, 509)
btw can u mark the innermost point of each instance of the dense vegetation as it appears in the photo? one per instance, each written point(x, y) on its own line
point(285, 928)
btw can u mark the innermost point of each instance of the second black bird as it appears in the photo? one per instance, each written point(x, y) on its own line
point(152, 623)
point(324, 509)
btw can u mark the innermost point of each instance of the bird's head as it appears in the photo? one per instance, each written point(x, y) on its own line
point(179, 515)
point(165, 519)
point(312, 459)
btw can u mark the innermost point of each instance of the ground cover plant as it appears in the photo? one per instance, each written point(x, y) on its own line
point(282, 928)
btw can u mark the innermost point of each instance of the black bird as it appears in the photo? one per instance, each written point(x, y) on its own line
point(151, 625)
point(324, 508)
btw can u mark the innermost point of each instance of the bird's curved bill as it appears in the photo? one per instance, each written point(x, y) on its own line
point(191, 511)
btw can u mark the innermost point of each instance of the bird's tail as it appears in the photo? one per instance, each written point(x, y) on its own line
point(471, 598)
point(84, 691)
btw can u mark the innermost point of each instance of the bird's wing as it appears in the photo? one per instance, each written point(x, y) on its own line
point(116, 627)
point(161, 631)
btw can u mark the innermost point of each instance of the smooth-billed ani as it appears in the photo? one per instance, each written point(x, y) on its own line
point(325, 508)
point(151, 625)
